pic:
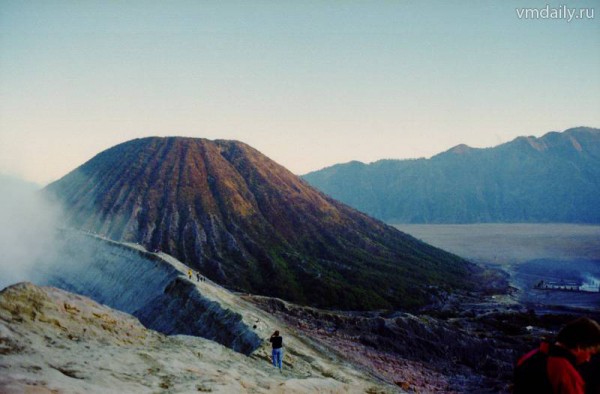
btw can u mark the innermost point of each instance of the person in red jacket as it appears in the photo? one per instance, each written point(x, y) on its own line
point(552, 368)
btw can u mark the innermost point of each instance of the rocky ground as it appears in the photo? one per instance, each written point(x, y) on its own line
point(52, 341)
point(468, 345)
point(55, 341)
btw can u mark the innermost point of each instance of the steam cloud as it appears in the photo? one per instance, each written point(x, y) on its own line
point(590, 283)
point(28, 231)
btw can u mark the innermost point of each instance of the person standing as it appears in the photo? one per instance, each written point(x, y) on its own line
point(277, 352)
point(552, 368)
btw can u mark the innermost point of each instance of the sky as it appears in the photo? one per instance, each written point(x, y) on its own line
point(308, 83)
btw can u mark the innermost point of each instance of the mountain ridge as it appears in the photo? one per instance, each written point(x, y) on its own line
point(53, 340)
point(552, 178)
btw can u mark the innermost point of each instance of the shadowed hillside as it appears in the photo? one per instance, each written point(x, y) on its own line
point(244, 221)
point(554, 178)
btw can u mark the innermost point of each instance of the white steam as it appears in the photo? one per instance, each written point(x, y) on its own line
point(590, 283)
point(28, 230)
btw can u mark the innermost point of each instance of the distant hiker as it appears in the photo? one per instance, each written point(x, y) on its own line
point(277, 352)
point(552, 367)
point(190, 273)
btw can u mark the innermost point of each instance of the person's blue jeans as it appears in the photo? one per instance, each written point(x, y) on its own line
point(277, 357)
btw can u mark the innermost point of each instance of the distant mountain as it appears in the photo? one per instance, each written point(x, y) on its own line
point(246, 222)
point(555, 178)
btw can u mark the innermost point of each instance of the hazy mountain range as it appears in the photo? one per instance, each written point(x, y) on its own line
point(555, 178)
point(246, 222)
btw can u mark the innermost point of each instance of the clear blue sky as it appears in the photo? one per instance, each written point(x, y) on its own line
point(308, 83)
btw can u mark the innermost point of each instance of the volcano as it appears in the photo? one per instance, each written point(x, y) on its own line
point(244, 221)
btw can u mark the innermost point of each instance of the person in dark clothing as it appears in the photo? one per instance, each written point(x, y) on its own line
point(277, 352)
point(552, 368)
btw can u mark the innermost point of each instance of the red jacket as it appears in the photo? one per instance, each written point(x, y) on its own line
point(549, 369)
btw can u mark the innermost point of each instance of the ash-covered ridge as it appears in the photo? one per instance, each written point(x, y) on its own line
point(152, 287)
point(55, 341)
